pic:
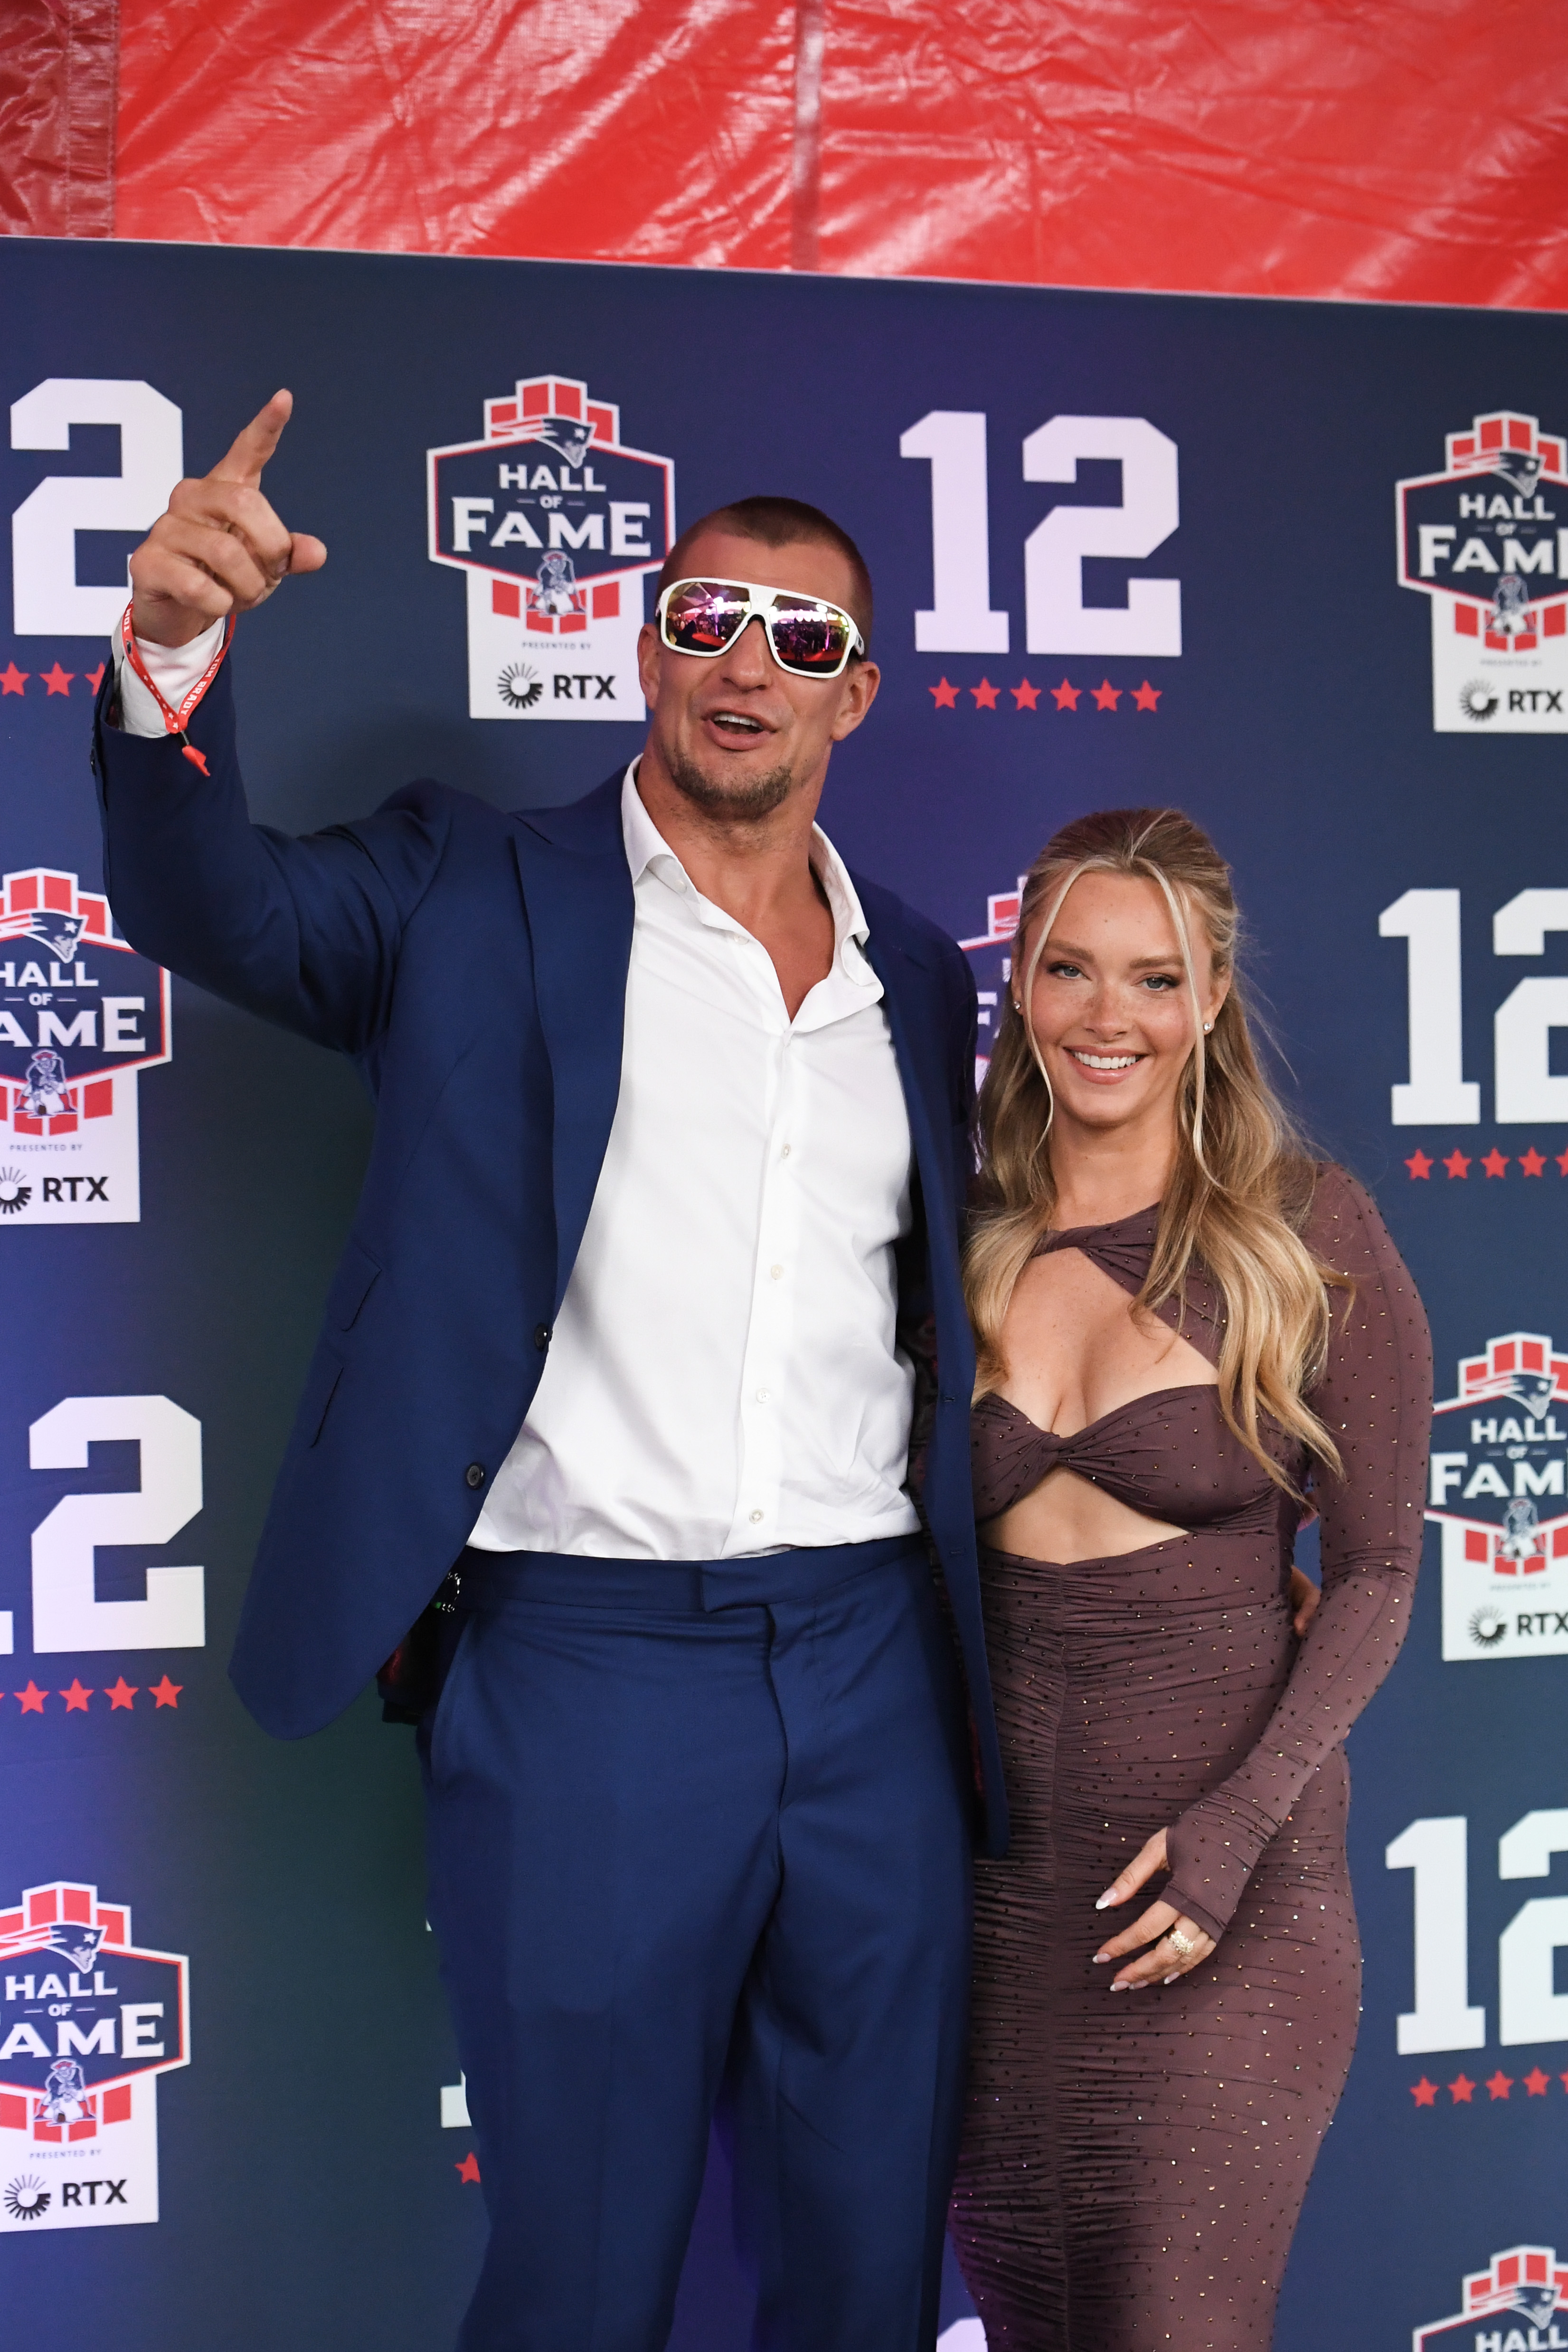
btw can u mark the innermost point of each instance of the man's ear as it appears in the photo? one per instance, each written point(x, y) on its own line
point(648, 651)
point(860, 682)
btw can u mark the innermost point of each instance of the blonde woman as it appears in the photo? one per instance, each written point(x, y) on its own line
point(1185, 1329)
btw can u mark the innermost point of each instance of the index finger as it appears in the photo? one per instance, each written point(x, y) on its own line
point(251, 450)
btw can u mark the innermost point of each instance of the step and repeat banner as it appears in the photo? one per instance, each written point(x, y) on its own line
point(1302, 569)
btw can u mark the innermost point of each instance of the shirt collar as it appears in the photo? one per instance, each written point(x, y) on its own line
point(648, 852)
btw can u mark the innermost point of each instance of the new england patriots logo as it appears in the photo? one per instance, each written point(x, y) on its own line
point(60, 935)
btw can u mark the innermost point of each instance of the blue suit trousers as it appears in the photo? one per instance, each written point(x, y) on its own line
point(700, 1840)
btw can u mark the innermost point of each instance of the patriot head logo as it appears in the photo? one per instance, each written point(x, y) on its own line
point(557, 521)
point(1509, 2306)
point(1486, 541)
point(1498, 1493)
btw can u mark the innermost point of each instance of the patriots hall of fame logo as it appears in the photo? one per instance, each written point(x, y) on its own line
point(1486, 541)
point(1500, 1463)
point(89, 2019)
point(1518, 2303)
point(556, 524)
point(81, 1015)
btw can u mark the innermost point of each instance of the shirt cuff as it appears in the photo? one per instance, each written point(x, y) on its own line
point(174, 669)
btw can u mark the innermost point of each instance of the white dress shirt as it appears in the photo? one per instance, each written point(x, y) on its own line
point(723, 1378)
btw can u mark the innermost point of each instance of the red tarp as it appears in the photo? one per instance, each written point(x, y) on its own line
point(1416, 149)
point(57, 117)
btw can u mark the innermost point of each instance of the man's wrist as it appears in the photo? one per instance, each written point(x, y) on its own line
point(174, 669)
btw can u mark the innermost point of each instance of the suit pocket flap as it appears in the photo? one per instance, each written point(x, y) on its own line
point(321, 1387)
point(351, 1285)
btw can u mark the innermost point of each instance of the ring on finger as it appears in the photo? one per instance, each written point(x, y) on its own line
point(1183, 1946)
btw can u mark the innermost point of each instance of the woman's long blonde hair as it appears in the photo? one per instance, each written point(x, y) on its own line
point(1242, 1178)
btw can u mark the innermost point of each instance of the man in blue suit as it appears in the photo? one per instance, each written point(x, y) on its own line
point(672, 1135)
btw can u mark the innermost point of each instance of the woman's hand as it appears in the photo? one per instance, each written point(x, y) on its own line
point(1179, 1944)
point(1304, 1598)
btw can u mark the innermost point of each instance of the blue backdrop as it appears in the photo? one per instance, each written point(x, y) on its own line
point(1383, 763)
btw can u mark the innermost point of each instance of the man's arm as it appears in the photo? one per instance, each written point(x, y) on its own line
point(303, 932)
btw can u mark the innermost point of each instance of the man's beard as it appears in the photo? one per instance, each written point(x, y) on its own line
point(745, 804)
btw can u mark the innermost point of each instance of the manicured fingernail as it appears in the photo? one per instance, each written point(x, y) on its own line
point(1118, 1987)
point(1172, 1979)
point(1100, 1956)
point(1107, 1898)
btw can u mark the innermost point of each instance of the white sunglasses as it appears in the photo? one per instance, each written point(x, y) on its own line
point(806, 636)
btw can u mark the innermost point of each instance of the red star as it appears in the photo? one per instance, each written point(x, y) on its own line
point(95, 677)
point(165, 1694)
point(1532, 1162)
point(1499, 2084)
point(13, 680)
point(1418, 1164)
point(469, 2170)
point(1066, 697)
point(1461, 2090)
point(56, 680)
point(1564, 2079)
point(1563, 1162)
point(1494, 1163)
point(1147, 696)
point(75, 1699)
point(122, 1694)
point(1424, 2092)
point(1537, 2084)
point(1455, 1163)
point(1105, 696)
point(946, 696)
point(32, 1698)
point(984, 695)
point(1024, 696)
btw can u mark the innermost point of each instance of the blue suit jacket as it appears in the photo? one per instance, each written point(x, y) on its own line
point(474, 964)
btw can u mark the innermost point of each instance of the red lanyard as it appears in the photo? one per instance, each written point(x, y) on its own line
point(175, 721)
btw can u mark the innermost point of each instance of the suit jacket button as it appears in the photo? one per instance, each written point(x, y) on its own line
point(474, 1473)
point(541, 1337)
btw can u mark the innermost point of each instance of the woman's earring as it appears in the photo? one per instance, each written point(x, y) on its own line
point(1207, 1027)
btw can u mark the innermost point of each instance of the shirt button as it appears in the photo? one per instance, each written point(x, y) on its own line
point(777, 1273)
point(541, 1337)
point(756, 1515)
point(474, 1475)
point(784, 1153)
point(763, 1396)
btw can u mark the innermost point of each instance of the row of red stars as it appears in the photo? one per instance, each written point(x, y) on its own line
point(1462, 2091)
point(1026, 697)
point(118, 1694)
point(54, 681)
point(1494, 1162)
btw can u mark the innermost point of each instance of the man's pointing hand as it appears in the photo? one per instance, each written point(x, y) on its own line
point(220, 548)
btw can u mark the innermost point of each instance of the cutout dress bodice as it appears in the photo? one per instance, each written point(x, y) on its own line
point(1168, 1454)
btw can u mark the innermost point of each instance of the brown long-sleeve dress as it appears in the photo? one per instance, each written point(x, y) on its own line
point(1134, 2163)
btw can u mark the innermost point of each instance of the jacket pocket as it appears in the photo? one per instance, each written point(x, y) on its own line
point(321, 1387)
point(357, 1275)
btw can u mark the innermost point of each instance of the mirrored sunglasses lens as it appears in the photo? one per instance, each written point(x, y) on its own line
point(809, 637)
point(702, 616)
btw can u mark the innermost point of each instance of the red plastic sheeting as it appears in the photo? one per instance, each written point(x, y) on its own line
point(1413, 150)
point(1406, 150)
point(57, 117)
point(626, 130)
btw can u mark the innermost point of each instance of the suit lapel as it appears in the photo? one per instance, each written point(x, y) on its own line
point(577, 890)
